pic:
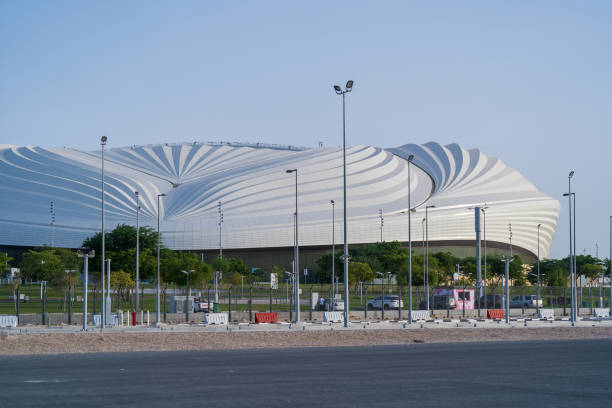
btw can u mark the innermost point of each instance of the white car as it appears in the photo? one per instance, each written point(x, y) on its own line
point(526, 300)
point(391, 302)
point(199, 306)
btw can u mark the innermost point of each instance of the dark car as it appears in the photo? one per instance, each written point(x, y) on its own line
point(492, 302)
point(440, 302)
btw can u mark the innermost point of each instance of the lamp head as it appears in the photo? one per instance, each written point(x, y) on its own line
point(338, 89)
point(349, 85)
point(103, 140)
point(161, 195)
point(136, 193)
point(332, 201)
point(410, 157)
point(571, 174)
point(291, 171)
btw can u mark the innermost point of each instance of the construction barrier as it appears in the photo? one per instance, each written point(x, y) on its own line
point(420, 315)
point(496, 314)
point(8, 321)
point(113, 321)
point(266, 317)
point(134, 314)
point(546, 314)
point(216, 318)
point(601, 312)
point(333, 317)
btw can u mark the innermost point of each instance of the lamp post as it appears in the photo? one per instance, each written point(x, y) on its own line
point(409, 160)
point(507, 261)
point(477, 211)
point(610, 266)
point(137, 248)
point(157, 289)
point(538, 295)
point(340, 91)
point(296, 263)
point(103, 140)
point(427, 251)
point(423, 237)
point(572, 249)
point(85, 257)
point(333, 204)
point(484, 232)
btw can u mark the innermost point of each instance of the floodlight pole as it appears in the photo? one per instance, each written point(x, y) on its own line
point(610, 266)
point(333, 204)
point(103, 140)
point(157, 288)
point(538, 293)
point(296, 264)
point(137, 248)
point(478, 260)
point(506, 260)
point(409, 247)
point(339, 91)
point(427, 253)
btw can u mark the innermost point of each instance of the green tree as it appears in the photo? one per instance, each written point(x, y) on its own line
point(5, 266)
point(360, 272)
point(122, 281)
point(43, 265)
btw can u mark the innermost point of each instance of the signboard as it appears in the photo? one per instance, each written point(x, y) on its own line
point(274, 281)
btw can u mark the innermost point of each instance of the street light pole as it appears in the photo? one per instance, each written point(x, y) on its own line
point(137, 248)
point(333, 204)
point(103, 140)
point(340, 91)
point(296, 263)
point(427, 207)
point(410, 158)
point(610, 266)
point(157, 287)
point(478, 260)
point(572, 280)
point(538, 296)
point(507, 260)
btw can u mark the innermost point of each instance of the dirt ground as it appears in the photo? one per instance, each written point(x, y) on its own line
point(57, 343)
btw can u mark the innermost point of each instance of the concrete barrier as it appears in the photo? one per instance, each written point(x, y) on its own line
point(601, 312)
point(333, 317)
point(113, 321)
point(216, 318)
point(547, 314)
point(8, 321)
point(420, 315)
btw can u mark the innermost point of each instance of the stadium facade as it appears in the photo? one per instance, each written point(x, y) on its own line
point(52, 196)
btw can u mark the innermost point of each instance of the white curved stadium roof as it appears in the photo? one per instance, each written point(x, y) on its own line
point(258, 196)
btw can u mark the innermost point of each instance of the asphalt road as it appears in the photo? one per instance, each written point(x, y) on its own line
point(526, 374)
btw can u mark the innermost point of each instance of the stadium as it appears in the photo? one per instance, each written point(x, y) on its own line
point(52, 196)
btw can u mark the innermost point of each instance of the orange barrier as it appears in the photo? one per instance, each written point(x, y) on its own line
point(496, 314)
point(266, 317)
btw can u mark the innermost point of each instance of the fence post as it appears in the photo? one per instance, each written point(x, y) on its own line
point(310, 308)
point(448, 302)
point(463, 303)
point(95, 291)
point(44, 305)
point(164, 302)
point(365, 308)
point(564, 310)
point(141, 296)
point(251, 303)
point(591, 299)
point(552, 299)
point(69, 303)
point(229, 303)
point(208, 300)
point(118, 300)
point(399, 304)
point(270, 297)
point(382, 301)
point(523, 300)
point(187, 308)
point(18, 301)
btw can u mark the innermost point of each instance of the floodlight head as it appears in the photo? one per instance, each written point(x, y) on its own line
point(539, 225)
point(338, 89)
point(103, 140)
point(565, 194)
point(349, 84)
point(136, 193)
point(161, 195)
point(291, 170)
point(410, 157)
point(571, 174)
point(431, 206)
point(332, 201)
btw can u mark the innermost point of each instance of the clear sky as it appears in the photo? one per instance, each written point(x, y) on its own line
point(529, 82)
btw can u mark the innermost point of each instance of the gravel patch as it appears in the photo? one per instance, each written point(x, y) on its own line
point(58, 343)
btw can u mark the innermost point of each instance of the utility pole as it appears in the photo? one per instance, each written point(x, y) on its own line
point(85, 257)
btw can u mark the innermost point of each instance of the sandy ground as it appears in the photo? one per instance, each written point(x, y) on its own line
point(56, 343)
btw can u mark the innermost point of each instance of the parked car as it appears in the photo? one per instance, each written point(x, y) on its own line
point(390, 302)
point(328, 304)
point(526, 300)
point(200, 306)
point(492, 302)
point(440, 302)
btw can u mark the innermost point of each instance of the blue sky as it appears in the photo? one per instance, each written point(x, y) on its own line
point(526, 81)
